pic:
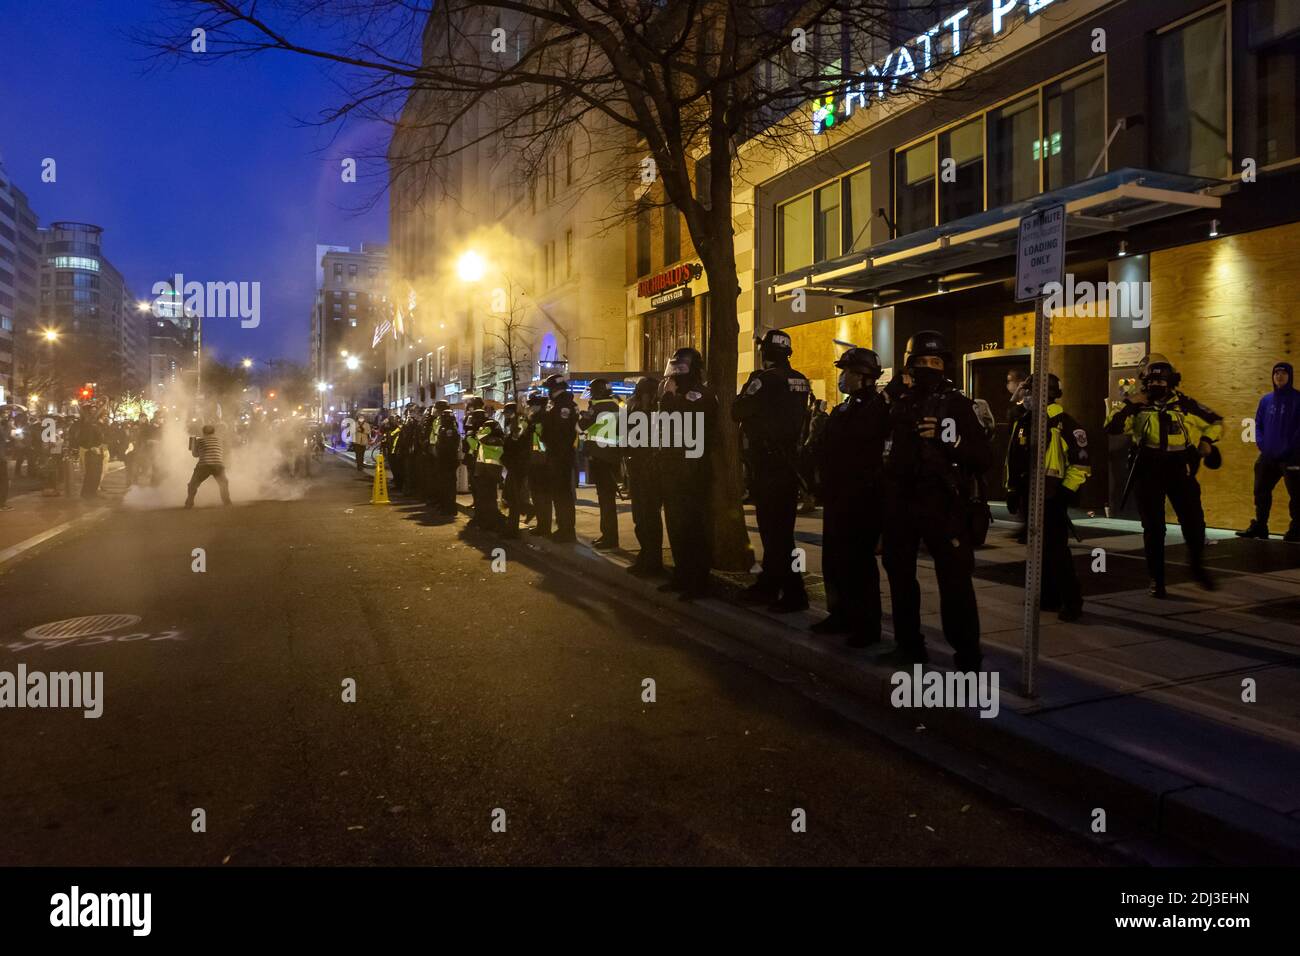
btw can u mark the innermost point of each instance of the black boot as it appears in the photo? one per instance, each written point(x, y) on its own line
point(1257, 529)
point(834, 624)
point(1156, 589)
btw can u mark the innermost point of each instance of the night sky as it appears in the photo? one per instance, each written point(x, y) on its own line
point(205, 170)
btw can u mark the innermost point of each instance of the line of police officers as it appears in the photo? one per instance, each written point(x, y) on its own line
point(900, 466)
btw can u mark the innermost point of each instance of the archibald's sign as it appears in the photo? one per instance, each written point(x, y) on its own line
point(678, 275)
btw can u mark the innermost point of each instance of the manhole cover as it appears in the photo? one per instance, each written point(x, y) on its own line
point(81, 626)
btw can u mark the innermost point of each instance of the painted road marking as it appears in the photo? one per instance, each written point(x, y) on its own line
point(8, 554)
point(81, 626)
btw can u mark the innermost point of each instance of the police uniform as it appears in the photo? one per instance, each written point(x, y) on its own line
point(560, 435)
point(849, 455)
point(928, 499)
point(1166, 433)
point(446, 461)
point(1066, 467)
point(645, 490)
point(772, 409)
point(539, 489)
point(517, 440)
point(489, 449)
point(603, 459)
point(687, 482)
point(475, 416)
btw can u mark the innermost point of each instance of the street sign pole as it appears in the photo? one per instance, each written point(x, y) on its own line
point(1040, 260)
point(1034, 557)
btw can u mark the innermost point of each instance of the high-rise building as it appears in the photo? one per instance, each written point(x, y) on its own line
point(103, 335)
point(19, 268)
point(351, 297)
point(173, 350)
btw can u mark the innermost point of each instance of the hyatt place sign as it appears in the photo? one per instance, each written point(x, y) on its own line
point(942, 42)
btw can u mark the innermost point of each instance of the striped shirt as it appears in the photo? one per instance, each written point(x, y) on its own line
point(208, 450)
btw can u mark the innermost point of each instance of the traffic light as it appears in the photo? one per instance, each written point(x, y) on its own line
point(86, 393)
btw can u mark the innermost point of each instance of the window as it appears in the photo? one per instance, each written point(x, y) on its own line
point(1075, 113)
point(915, 188)
point(1189, 129)
point(827, 228)
point(1013, 151)
point(568, 162)
point(643, 240)
point(794, 227)
point(338, 270)
point(1266, 80)
point(568, 253)
point(672, 234)
point(964, 196)
point(857, 211)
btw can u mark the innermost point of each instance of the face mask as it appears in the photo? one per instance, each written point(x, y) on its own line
point(844, 382)
point(1029, 403)
point(924, 377)
point(1157, 392)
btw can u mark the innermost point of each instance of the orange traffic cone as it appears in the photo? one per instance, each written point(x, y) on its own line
point(379, 493)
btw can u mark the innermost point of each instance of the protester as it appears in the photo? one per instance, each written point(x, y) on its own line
point(1277, 435)
point(207, 448)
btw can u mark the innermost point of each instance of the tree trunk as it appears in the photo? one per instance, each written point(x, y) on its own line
point(731, 547)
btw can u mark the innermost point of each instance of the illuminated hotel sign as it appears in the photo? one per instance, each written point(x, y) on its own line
point(911, 60)
point(676, 276)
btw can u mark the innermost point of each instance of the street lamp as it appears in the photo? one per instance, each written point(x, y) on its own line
point(353, 363)
point(51, 335)
point(247, 363)
point(470, 267)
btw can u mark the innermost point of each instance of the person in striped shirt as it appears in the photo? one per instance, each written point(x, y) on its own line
point(212, 463)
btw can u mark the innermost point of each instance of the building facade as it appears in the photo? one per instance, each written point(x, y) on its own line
point(507, 263)
point(103, 335)
point(19, 271)
point(1168, 131)
point(351, 299)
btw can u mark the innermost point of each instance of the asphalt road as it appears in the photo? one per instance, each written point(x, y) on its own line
point(475, 690)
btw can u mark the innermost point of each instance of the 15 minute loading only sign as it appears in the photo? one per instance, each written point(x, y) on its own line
point(1040, 253)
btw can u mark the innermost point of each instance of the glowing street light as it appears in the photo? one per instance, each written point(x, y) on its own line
point(51, 335)
point(247, 363)
point(470, 266)
point(353, 363)
point(321, 386)
point(144, 306)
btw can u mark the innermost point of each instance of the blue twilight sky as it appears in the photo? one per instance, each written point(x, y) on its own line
point(210, 171)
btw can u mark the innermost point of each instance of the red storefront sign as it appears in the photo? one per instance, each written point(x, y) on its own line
point(678, 275)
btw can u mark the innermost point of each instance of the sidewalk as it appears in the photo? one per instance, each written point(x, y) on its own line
point(36, 519)
point(1140, 705)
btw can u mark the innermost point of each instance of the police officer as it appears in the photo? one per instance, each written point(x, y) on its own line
point(475, 416)
point(488, 451)
point(937, 448)
point(1171, 434)
point(539, 489)
point(604, 457)
point(446, 458)
point(644, 487)
point(686, 482)
point(392, 434)
point(559, 435)
point(1065, 468)
point(772, 410)
point(517, 448)
point(849, 454)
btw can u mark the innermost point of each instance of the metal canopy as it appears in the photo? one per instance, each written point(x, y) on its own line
point(1112, 202)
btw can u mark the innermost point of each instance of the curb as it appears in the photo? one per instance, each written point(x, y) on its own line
point(1141, 800)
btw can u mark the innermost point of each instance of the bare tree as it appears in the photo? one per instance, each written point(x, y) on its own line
point(515, 338)
point(670, 89)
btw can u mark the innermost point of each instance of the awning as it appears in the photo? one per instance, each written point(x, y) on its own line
point(1113, 202)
